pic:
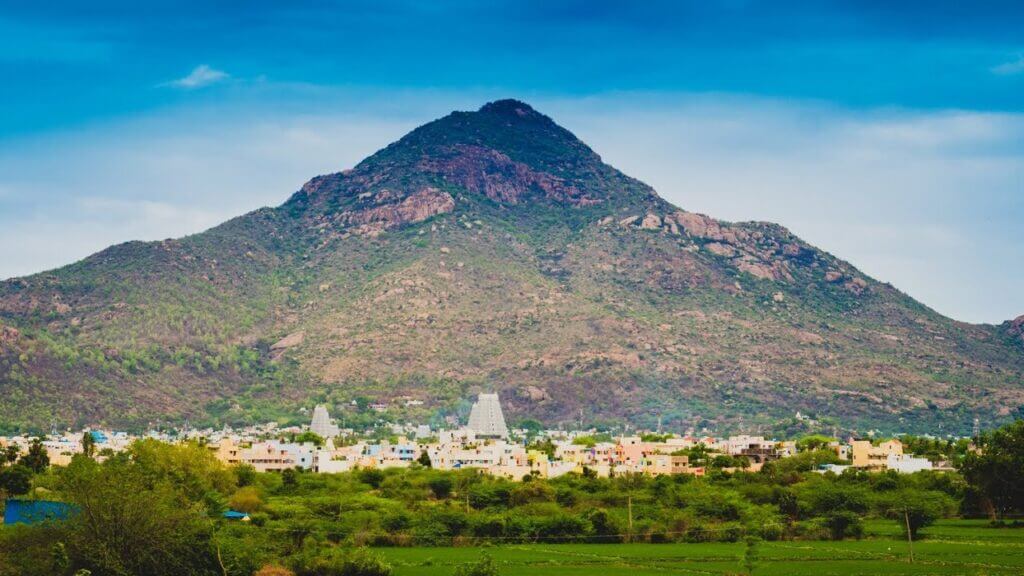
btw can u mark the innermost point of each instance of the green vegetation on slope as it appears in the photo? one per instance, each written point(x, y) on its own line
point(491, 249)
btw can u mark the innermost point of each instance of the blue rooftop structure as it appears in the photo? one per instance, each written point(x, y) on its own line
point(98, 437)
point(235, 515)
point(35, 511)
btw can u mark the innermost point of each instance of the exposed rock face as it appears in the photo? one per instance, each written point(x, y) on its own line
point(495, 175)
point(533, 394)
point(833, 276)
point(8, 335)
point(492, 247)
point(749, 247)
point(749, 251)
point(701, 226)
point(1016, 328)
point(277, 349)
point(416, 207)
point(651, 222)
point(719, 249)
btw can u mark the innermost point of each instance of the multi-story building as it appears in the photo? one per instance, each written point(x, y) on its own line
point(870, 457)
point(267, 457)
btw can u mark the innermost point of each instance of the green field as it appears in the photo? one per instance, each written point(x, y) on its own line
point(949, 547)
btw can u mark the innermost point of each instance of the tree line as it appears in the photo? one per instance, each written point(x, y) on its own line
point(157, 509)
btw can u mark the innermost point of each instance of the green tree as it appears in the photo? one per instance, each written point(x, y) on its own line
point(9, 455)
point(36, 459)
point(697, 454)
point(587, 441)
point(129, 523)
point(997, 473)
point(532, 427)
point(441, 486)
point(245, 475)
point(750, 554)
point(839, 507)
point(842, 523)
point(814, 442)
point(88, 444)
point(914, 508)
point(16, 480)
point(371, 476)
point(190, 467)
point(309, 436)
point(424, 459)
point(546, 446)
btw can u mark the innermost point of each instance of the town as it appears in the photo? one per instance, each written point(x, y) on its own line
point(487, 444)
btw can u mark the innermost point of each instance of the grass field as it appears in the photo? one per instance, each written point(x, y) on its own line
point(950, 547)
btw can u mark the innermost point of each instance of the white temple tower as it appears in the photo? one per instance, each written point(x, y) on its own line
point(486, 419)
point(321, 424)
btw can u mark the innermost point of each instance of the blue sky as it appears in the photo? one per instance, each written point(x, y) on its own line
point(892, 136)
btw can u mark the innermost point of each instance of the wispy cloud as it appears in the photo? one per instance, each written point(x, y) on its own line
point(1010, 68)
point(200, 77)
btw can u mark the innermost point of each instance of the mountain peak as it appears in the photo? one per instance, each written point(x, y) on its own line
point(509, 107)
point(505, 151)
point(490, 246)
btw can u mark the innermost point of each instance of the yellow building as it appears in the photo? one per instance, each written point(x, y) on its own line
point(662, 464)
point(870, 457)
point(227, 451)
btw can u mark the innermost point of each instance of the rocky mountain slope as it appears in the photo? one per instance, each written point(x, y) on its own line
point(491, 250)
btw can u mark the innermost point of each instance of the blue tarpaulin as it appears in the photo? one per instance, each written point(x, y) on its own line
point(33, 511)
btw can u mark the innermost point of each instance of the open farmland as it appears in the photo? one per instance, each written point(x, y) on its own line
point(950, 547)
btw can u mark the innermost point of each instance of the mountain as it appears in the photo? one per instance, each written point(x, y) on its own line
point(491, 250)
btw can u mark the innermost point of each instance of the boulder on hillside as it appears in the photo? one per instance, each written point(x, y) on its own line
point(8, 335)
point(1016, 328)
point(277, 349)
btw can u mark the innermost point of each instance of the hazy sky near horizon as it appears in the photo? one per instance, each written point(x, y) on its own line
point(890, 136)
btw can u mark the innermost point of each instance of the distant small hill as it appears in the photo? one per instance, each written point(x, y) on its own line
point(491, 250)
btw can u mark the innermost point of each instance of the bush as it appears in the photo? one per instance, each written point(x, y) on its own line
point(441, 486)
point(371, 476)
point(246, 499)
point(336, 562)
point(842, 523)
point(272, 570)
point(483, 567)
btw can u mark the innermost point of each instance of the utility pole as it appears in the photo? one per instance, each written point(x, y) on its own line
point(910, 538)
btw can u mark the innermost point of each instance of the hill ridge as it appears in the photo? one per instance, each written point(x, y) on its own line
point(491, 249)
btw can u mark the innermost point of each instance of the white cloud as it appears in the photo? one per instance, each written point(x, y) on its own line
point(200, 76)
point(1010, 68)
point(929, 201)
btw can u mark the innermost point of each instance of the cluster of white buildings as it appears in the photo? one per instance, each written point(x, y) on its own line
point(483, 445)
point(62, 447)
